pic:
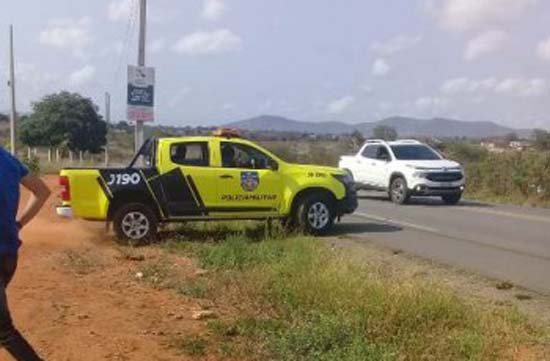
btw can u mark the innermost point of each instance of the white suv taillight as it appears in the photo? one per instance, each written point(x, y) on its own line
point(65, 188)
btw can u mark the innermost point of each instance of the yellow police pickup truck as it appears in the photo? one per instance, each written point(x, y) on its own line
point(203, 178)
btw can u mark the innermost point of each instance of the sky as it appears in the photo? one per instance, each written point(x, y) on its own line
point(314, 60)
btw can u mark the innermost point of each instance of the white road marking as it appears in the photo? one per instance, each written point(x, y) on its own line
point(505, 214)
point(397, 222)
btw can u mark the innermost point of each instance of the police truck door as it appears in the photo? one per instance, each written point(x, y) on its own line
point(248, 181)
point(188, 182)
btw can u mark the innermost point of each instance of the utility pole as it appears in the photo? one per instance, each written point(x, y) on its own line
point(108, 120)
point(141, 62)
point(13, 112)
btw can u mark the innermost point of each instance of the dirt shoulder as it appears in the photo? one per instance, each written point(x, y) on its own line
point(76, 297)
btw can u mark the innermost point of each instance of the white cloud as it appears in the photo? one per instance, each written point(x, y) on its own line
point(201, 42)
point(69, 34)
point(522, 87)
point(339, 105)
point(82, 76)
point(543, 49)
point(34, 82)
point(431, 103)
point(213, 10)
point(157, 45)
point(367, 89)
point(517, 86)
point(395, 45)
point(485, 43)
point(119, 10)
point(380, 67)
point(462, 15)
point(465, 85)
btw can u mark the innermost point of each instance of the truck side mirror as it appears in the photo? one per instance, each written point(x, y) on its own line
point(273, 165)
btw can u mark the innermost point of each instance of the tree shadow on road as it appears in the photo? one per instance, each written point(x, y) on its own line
point(342, 229)
point(258, 231)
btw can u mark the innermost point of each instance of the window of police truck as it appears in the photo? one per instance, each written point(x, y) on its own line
point(414, 152)
point(242, 156)
point(145, 158)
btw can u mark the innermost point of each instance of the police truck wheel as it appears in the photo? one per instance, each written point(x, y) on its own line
point(135, 223)
point(399, 194)
point(315, 214)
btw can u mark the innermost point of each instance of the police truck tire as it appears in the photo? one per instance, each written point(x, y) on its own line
point(135, 223)
point(315, 214)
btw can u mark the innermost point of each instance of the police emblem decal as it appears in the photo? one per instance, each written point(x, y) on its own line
point(250, 181)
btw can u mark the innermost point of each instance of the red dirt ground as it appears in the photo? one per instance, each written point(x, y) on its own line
point(106, 314)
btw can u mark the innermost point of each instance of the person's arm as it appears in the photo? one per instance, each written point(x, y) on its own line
point(39, 194)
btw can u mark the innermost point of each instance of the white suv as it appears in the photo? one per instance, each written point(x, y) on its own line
point(405, 168)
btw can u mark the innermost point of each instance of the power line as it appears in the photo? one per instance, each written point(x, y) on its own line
point(128, 37)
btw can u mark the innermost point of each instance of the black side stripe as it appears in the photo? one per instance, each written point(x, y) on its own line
point(241, 209)
point(197, 194)
point(104, 188)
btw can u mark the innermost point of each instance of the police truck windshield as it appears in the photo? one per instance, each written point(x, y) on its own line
point(414, 152)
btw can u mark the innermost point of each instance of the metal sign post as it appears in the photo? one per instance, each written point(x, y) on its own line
point(108, 121)
point(141, 63)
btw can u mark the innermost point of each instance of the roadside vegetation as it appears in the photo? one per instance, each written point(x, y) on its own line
point(298, 298)
point(520, 177)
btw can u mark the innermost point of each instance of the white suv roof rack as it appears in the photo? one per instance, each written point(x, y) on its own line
point(399, 141)
point(407, 141)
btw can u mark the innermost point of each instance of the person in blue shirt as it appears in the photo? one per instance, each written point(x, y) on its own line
point(12, 175)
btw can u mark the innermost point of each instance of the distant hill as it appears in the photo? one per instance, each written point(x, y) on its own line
point(281, 124)
point(405, 126)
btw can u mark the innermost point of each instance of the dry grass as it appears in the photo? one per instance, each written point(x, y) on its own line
point(83, 263)
point(297, 299)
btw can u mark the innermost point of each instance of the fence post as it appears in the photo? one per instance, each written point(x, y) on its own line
point(49, 155)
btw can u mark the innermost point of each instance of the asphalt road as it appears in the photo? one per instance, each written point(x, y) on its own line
point(499, 241)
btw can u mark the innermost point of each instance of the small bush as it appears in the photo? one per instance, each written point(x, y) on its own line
point(192, 346)
point(197, 288)
point(32, 164)
point(236, 253)
point(82, 263)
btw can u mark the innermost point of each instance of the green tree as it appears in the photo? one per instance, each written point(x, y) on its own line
point(385, 132)
point(541, 139)
point(357, 139)
point(65, 119)
point(511, 137)
point(4, 117)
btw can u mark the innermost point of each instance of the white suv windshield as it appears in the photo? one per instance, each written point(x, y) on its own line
point(414, 152)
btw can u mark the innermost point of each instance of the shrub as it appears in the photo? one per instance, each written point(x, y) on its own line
point(32, 164)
